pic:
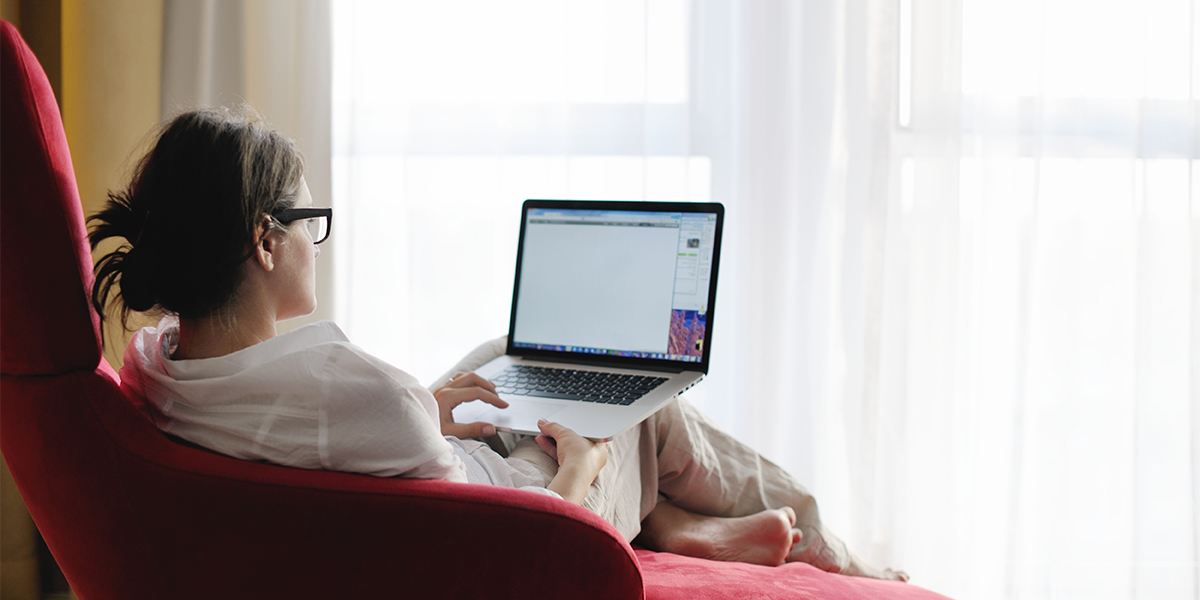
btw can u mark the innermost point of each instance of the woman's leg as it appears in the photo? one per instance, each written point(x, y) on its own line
point(765, 538)
point(704, 470)
point(682, 456)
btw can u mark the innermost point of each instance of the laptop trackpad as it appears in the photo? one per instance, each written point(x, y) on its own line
point(521, 416)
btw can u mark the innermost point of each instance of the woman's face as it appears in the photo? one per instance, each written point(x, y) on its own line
point(299, 265)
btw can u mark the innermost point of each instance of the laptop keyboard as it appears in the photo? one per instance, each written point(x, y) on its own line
point(569, 384)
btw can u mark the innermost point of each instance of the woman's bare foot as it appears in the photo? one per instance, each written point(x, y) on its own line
point(825, 551)
point(858, 567)
point(765, 538)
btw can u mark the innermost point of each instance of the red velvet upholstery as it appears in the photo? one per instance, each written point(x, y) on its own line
point(129, 514)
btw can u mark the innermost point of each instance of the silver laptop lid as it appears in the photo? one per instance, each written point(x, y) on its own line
point(623, 284)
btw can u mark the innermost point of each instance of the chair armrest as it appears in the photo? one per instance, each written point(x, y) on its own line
point(367, 537)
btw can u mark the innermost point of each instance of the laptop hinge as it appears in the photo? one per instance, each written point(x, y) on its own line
point(584, 361)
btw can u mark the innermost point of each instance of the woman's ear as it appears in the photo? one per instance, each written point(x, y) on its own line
point(266, 244)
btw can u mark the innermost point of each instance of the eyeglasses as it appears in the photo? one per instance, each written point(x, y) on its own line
point(318, 220)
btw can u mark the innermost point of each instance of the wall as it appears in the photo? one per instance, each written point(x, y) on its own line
point(112, 73)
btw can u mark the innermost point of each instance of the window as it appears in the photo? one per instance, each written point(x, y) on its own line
point(448, 115)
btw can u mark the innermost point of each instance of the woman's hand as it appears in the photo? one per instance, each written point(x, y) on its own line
point(465, 387)
point(579, 460)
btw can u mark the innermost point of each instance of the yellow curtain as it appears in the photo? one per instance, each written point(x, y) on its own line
point(112, 74)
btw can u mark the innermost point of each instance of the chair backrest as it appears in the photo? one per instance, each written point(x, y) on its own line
point(38, 186)
point(129, 514)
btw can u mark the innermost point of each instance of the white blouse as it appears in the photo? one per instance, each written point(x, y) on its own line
point(309, 399)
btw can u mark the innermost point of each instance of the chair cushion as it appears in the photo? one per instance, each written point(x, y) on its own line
point(42, 236)
point(671, 576)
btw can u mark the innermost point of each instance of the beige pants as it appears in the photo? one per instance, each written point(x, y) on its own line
point(681, 455)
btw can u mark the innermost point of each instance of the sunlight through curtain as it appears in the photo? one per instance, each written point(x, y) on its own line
point(959, 294)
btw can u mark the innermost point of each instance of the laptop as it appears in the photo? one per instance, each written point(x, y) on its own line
point(612, 314)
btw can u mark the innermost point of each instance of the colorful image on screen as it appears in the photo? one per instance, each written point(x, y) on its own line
point(687, 334)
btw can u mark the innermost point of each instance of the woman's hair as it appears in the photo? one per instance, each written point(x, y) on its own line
point(190, 214)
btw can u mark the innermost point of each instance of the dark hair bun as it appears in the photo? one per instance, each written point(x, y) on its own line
point(136, 290)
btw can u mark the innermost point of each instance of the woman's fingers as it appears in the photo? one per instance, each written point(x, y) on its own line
point(457, 391)
point(453, 396)
point(567, 441)
point(552, 434)
point(461, 380)
point(562, 434)
point(548, 446)
point(552, 429)
point(569, 448)
point(464, 431)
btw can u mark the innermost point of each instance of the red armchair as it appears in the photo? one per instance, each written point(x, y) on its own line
point(128, 513)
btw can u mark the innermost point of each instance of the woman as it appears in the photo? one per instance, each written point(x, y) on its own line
point(222, 239)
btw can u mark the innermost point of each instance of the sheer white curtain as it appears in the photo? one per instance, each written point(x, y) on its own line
point(959, 290)
point(795, 108)
point(1039, 331)
point(273, 55)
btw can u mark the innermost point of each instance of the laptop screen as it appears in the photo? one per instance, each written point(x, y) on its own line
point(617, 280)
